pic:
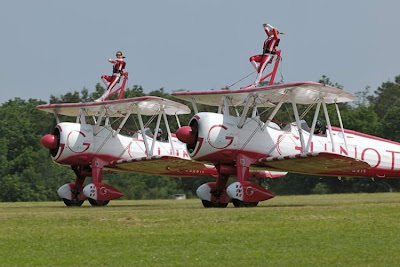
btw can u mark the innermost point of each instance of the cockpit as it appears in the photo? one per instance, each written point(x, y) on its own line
point(319, 130)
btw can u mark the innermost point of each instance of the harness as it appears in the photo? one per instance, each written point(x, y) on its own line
point(268, 48)
point(118, 68)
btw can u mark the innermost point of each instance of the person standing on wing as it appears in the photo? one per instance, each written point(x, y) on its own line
point(118, 71)
point(259, 62)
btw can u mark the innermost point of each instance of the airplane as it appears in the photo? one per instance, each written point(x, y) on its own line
point(91, 145)
point(237, 141)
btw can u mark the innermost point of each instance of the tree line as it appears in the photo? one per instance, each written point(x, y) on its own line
point(27, 172)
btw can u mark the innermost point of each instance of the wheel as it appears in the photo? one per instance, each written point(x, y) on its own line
point(238, 203)
point(209, 204)
point(73, 203)
point(98, 203)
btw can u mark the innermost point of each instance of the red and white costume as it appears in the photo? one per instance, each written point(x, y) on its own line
point(111, 81)
point(259, 62)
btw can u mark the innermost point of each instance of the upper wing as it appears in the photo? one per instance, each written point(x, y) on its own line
point(313, 163)
point(147, 105)
point(160, 165)
point(301, 93)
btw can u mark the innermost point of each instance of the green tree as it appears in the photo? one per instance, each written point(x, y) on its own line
point(386, 96)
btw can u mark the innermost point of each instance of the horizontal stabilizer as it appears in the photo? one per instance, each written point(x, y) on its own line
point(313, 163)
point(161, 165)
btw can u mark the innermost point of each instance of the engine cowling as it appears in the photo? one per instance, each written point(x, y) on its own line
point(70, 143)
point(210, 137)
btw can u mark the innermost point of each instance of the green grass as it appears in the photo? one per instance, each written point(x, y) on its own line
point(317, 230)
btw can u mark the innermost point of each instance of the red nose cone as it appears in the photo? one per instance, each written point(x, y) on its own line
point(185, 135)
point(49, 141)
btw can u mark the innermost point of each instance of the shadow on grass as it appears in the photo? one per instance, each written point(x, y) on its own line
point(150, 206)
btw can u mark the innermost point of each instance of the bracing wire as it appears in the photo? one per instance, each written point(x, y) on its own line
point(241, 79)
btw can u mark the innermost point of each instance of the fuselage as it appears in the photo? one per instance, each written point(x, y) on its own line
point(78, 145)
point(219, 140)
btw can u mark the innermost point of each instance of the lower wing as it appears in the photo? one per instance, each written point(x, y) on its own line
point(163, 165)
point(313, 163)
point(176, 166)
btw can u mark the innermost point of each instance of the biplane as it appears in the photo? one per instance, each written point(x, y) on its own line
point(94, 144)
point(235, 140)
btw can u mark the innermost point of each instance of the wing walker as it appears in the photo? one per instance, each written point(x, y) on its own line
point(242, 139)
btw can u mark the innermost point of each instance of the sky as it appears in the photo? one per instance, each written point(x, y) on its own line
point(54, 47)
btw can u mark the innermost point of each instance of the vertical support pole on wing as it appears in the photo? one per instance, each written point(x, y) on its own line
point(81, 116)
point(245, 110)
point(178, 121)
point(146, 145)
point(226, 105)
point(122, 124)
point(254, 112)
point(102, 112)
point(328, 121)
point(296, 115)
point(169, 133)
point(276, 109)
point(314, 122)
point(220, 109)
point(155, 133)
point(341, 125)
point(237, 112)
point(56, 116)
point(195, 110)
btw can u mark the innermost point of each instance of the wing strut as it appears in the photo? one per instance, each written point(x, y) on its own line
point(296, 115)
point(81, 116)
point(169, 132)
point(328, 121)
point(146, 145)
point(314, 122)
point(56, 116)
point(122, 124)
point(341, 125)
point(195, 110)
point(226, 105)
point(245, 110)
point(102, 112)
point(155, 133)
point(276, 109)
point(178, 121)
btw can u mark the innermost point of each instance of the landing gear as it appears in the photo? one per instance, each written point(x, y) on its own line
point(73, 203)
point(98, 194)
point(213, 195)
point(209, 204)
point(239, 204)
point(98, 203)
point(72, 193)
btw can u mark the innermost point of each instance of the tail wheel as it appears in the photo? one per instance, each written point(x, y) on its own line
point(73, 203)
point(98, 203)
point(209, 204)
point(238, 203)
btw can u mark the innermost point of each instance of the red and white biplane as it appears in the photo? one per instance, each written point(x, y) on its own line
point(237, 141)
point(90, 145)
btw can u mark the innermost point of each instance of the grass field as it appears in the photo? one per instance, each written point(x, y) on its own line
point(316, 230)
